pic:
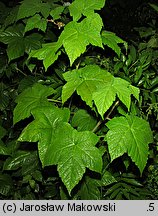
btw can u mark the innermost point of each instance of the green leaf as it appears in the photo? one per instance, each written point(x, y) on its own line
point(94, 83)
point(107, 179)
point(32, 42)
point(89, 189)
point(3, 149)
point(74, 151)
point(15, 40)
point(6, 184)
point(2, 132)
point(30, 164)
point(28, 8)
point(55, 13)
point(16, 48)
point(60, 144)
point(16, 160)
point(26, 82)
point(17, 43)
point(129, 135)
point(11, 18)
point(111, 40)
point(43, 128)
point(83, 121)
point(31, 7)
point(86, 81)
point(4, 96)
point(30, 98)
point(154, 6)
point(145, 32)
point(76, 36)
point(48, 53)
point(3, 12)
point(87, 8)
point(104, 97)
point(124, 90)
point(64, 194)
point(36, 22)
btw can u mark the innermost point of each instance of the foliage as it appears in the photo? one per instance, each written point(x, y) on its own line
point(70, 114)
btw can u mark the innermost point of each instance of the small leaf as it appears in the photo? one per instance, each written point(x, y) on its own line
point(13, 36)
point(6, 184)
point(79, 7)
point(2, 132)
point(154, 6)
point(30, 164)
point(16, 160)
point(12, 17)
point(16, 49)
point(26, 82)
point(89, 189)
point(55, 13)
point(83, 121)
point(129, 135)
point(30, 98)
point(36, 22)
point(112, 41)
point(107, 179)
point(3, 149)
point(48, 53)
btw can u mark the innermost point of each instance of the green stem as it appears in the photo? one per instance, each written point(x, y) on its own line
point(20, 71)
point(56, 101)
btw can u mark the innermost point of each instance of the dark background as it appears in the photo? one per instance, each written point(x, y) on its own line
point(121, 16)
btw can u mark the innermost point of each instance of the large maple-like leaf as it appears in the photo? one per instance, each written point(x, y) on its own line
point(17, 43)
point(76, 36)
point(85, 81)
point(105, 96)
point(43, 128)
point(95, 84)
point(73, 151)
point(60, 144)
point(15, 40)
point(130, 135)
point(31, 98)
point(79, 7)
